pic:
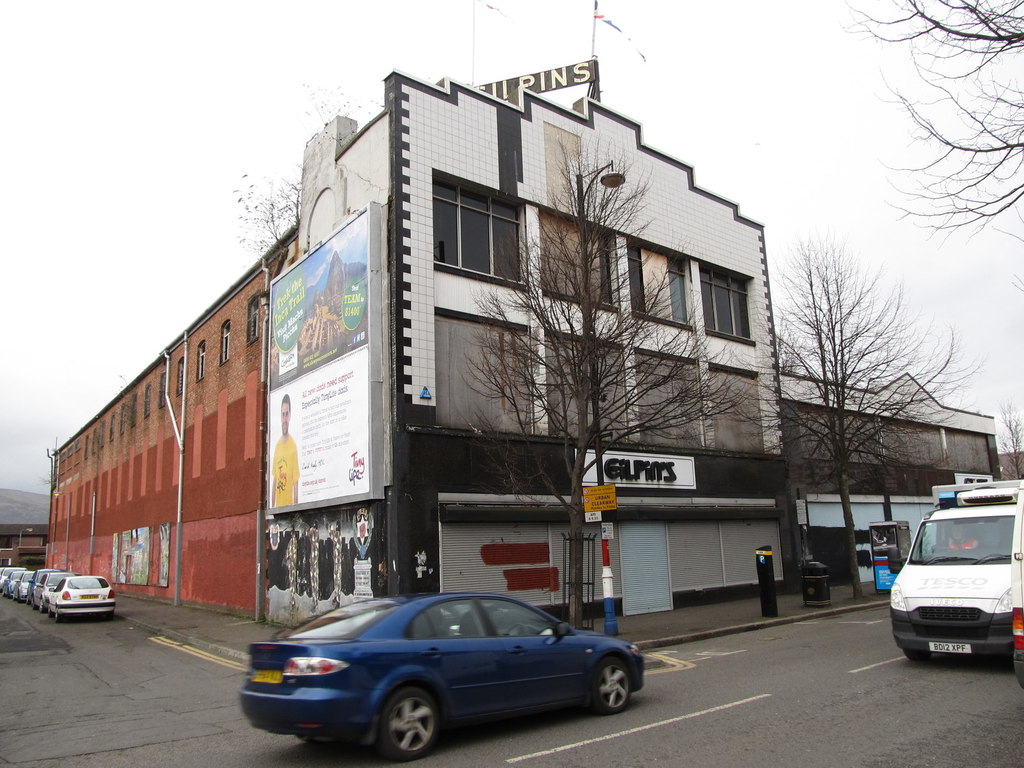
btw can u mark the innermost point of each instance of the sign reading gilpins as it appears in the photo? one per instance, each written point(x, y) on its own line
point(548, 80)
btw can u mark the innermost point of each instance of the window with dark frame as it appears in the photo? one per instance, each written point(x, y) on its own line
point(475, 232)
point(201, 361)
point(252, 320)
point(725, 303)
point(637, 296)
point(564, 266)
point(677, 289)
point(225, 342)
point(163, 389)
point(147, 395)
point(181, 376)
point(674, 306)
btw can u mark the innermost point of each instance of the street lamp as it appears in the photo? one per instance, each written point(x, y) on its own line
point(611, 180)
point(23, 530)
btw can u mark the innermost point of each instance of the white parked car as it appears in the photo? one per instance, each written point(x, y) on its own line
point(8, 575)
point(43, 586)
point(81, 595)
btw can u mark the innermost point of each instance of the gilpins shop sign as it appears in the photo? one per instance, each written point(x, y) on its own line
point(548, 80)
point(644, 470)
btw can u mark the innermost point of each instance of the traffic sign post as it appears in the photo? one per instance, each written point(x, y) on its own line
point(611, 624)
point(598, 499)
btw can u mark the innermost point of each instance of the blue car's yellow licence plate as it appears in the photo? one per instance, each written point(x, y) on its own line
point(267, 676)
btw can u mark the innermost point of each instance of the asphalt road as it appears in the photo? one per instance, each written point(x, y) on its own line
point(831, 692)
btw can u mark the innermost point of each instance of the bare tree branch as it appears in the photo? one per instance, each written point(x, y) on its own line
point(570, 357)
point(1011, 437)
point(864, 369)
point(967, 55)
point(268, 210)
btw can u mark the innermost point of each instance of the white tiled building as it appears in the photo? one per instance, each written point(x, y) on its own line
point(458, 172)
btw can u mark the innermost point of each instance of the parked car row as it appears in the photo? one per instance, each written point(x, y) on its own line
point(58, 593)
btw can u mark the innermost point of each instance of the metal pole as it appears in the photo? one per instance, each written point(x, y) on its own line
point(181, 475)
point(611, 625)
point(261, 513)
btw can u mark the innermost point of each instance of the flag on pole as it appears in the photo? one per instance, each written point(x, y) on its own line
point(490, 7)
point(600, 17)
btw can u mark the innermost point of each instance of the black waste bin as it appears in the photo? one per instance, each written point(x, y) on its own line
point(815, 584)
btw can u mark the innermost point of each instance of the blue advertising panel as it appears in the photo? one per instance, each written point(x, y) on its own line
point(884, 536)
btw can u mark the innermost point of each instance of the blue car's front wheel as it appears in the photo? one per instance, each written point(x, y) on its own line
point(409, 724)
point(611, 687)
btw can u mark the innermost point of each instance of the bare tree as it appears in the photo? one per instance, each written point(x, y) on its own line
point(860, 363)
point(580, 353)
point(966, 55)
point(269, 210)
point(1011, 436)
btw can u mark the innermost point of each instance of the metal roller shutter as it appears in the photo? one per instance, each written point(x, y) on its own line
point(645, 575)
point(508, 558)
point(740, 540)
point(695, 555)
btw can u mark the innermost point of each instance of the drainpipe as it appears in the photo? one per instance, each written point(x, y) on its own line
point(179, 435)
point(261, 512)
point(92, 533)
point(55, 496)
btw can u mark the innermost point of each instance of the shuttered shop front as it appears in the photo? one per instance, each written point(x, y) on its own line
point(525, 559)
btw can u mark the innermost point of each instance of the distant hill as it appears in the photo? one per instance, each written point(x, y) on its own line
point(24, 507)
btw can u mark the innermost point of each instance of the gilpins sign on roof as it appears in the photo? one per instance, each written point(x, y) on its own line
point(548, 80)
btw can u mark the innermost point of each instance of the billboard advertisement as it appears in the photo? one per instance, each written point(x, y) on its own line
point(324, 356)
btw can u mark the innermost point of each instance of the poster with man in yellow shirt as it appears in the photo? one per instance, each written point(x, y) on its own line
point(285, 465)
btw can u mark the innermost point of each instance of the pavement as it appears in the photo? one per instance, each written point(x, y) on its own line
point(228, 635)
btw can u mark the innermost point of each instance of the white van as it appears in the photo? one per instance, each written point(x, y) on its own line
point(953, 593)
point(1017, 595)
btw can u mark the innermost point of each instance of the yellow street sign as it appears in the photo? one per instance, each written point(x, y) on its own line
point(599, 498)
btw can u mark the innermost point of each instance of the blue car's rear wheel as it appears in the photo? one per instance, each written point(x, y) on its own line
point(409, 724)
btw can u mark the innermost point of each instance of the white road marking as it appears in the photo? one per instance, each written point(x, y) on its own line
point(872, 666)
point(639, 729)
point(719, 653)
point(879, 621)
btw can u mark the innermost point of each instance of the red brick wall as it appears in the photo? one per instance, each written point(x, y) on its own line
point(134, 475)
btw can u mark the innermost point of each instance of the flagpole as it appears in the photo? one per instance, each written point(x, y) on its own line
point(472, 68)
point(595, 87)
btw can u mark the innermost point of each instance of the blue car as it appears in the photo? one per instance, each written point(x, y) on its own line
point(394, 671)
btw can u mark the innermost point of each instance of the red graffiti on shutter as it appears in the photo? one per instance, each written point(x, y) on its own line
point(507, 553)
point(522, 579)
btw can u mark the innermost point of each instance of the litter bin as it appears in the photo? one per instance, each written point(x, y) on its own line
point(815, 584)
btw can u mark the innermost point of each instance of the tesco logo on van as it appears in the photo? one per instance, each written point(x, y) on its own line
point(965, 582)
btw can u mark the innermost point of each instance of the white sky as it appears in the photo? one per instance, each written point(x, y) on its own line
point(129, 125)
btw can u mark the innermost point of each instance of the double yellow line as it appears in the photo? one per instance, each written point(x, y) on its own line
point(671, 664)
point(199, 653)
